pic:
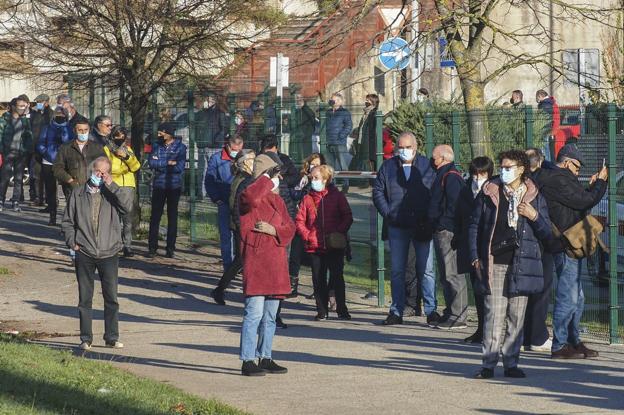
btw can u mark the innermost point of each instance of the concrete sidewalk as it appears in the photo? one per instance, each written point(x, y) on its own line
point(173, 333)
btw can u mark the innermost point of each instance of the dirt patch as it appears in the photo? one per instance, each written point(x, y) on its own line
point(23, 330)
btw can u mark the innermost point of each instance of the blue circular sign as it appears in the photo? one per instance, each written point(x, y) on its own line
point(394, 53)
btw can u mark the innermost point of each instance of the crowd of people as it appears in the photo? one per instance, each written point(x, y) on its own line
point(511, 231)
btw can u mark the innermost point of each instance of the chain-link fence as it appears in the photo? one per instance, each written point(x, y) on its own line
point(305, 125)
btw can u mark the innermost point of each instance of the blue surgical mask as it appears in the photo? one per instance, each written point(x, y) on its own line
point(39, 106)
point(95, 180)
point(509, 175)
point(83, 137)
point(317, 185)
point(233, 154)
point(406, 154)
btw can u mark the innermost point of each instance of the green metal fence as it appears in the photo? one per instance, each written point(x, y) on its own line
point(600, 136)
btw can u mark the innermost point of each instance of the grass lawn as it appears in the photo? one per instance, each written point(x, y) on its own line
point(38, 380)
point(4, 271)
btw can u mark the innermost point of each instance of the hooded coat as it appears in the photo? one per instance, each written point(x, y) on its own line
point(52, 137)
point(265, 259)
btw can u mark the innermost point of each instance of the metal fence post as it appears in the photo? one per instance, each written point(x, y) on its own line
point(455, 134)
point(613, 229)
point(92, 100)
point(528, 126)
point(381, 260)
point(322, 129)
point(192, 179)
point(429, 133)
point(231, 101)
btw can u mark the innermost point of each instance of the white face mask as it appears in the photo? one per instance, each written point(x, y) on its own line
point(509, 175)
point(276, 183)
point(406, 154)
point(477, 183)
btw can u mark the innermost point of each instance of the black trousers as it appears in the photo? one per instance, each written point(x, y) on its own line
point(13, 166)
point(172, 198)
point(50, 188)
point(479, 303)
point(297, 251)
point(535, 329)
point(413, 284)
point(237, 265)
point(107, 269)
point(332, 261)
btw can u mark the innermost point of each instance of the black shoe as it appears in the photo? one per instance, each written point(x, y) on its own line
point(169, 253)
point(433, 319)
point(217, 296)
point(270, 366)
point(310, 296)
point(320, 316)
point(294, 287)
point(250, 368)
point(476, 338)
point(127, 253)
point(344, 316)
point(485, 373)
point(45, 210)
point(514, 372)
point(16, 207)
point(587, 352)
point(280, 323)
point(151, 253)
point(451, 324)
point(1, 206)
point(392, 319)
point(52, 222)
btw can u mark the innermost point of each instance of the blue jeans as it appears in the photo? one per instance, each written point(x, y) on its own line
point(258, 328)
point(399, 247)
point(225, 234)
point(569, 301)
point(338, 157)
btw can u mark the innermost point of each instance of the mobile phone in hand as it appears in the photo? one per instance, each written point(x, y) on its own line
point(604, 162)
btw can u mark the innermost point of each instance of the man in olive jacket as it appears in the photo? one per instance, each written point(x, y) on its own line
point(92, 228)
point(71, 165)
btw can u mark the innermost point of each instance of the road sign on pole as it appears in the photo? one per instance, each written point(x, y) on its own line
point(394, 53)
point(446, 60)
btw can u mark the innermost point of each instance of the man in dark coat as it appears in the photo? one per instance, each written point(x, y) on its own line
point(40, 117)
point(210, 130)
point(338, 128)
point(568, 203)
point(302, 122)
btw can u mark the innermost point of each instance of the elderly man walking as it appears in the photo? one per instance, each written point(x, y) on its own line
point(92, 228)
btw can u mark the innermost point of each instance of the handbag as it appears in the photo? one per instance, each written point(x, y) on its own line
point(583, 238)
point(509, 243)
point(334, 240)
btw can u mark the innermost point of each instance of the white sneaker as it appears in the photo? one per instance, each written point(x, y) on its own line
point(85, 346)
point(546, 347)
point(115, 345)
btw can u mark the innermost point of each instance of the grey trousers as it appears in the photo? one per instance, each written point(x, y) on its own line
point(454, 285)
point(499, 310)
point(127, 193)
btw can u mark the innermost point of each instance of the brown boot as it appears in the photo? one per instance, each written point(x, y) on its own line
point(567, 352)
point(587, 352)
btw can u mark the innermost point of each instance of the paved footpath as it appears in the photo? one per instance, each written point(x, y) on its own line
point(174, 334)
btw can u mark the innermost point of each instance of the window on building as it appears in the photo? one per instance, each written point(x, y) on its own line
point(581, 67)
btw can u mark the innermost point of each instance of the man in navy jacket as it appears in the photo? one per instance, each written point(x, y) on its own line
point(218, 181)
point(338, 128)
point(401, 195)
point(445, 193)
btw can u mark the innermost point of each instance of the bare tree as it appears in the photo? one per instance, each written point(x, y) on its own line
point(613, 57)
point(138, 46)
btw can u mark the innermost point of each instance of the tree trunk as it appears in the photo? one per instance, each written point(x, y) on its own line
point(474, 103)
point(138, 110)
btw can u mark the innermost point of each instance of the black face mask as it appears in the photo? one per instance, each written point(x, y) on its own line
point(367, 104)
point(119, 141)
point(60, 120)
point(331, 102)
point(432, 163)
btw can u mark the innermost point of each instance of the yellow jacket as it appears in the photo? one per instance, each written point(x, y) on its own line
point(123, 170)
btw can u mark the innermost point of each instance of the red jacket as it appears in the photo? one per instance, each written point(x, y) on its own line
point(335, 216)
point(265, 263)
point(388, 144)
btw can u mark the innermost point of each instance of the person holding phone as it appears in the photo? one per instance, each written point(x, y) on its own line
point(509, 220)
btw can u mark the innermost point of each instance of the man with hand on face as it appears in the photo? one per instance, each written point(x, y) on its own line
point(92, 229)
point(218, 182)
point(167, 160)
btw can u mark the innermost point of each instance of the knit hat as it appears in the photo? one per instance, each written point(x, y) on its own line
point(262, 163)
point(571, 151)
point(167, 128)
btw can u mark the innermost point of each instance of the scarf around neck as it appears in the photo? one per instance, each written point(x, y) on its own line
point(514, 197)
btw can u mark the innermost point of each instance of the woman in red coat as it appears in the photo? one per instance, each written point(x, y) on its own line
point(323, 221)
point(266, 230)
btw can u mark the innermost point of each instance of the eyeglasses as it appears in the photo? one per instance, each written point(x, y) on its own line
point(508, 168)
point(107, 125)
point(576, 166)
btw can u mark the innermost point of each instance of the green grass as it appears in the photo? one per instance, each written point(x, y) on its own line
point(38, 380)
point(4, 271)
point(205, 221)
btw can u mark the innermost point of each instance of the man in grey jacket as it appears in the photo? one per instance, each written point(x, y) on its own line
point(92, 228)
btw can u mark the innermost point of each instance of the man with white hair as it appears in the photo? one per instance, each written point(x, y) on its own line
point(73, 116)
point(445, 193)
point(338, 127)
point(92, 228)
point(401, 195)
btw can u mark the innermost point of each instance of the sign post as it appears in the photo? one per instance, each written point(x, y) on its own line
point(394, 55)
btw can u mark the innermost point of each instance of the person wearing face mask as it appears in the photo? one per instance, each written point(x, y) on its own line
point(323, 222)
point(266, 230)
point(509, 221)
point(210, 130)
point(124, 167)
point(481, 170)
point(242, 126)
point(569, 202)
point(242, 168)
point(302, 122)
point(73, 115)
point(445, 193)
point(218, 183)
point(366, 142)
point(92, 229)
point(40, 117)
point(401, 194)
point(16, 143)
point(101, 131)
point(338, 127)
point(167, 160)
point(53, 136)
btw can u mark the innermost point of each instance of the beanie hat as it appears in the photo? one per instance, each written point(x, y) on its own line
point(262, 163)
point(167, 128)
